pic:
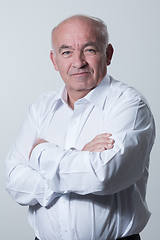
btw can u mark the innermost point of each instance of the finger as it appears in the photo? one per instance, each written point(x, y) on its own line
point(100, 141)
point(103, 141)
point(103, 135)
point(110, 140)
point(109, 146)
point(99, 146)
point(101, 149)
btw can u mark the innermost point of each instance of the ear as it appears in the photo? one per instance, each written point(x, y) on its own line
point(53, 59)
point(109, 52)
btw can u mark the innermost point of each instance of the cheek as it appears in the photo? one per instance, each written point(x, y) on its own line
point(64, 67)
point(96, 66)
point(95, 62)
point(92, 63)
point(101, 66)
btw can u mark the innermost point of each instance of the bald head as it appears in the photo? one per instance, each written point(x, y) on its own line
point(97, 25)
point(81, 54)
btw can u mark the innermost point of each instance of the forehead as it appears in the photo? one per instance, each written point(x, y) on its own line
point(74, 32)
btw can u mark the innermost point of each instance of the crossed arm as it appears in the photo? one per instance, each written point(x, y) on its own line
point(100, 143)
point(53, 170)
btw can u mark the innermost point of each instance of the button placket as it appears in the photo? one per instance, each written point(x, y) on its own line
point(70, 141)
point(64, 217)
point(73, 127)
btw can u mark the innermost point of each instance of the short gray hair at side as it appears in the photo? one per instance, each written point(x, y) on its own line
point(99, 26)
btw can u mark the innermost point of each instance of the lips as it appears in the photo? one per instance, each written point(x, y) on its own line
point(79, 73)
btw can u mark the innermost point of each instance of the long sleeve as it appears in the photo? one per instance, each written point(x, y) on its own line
point(108, 172)
point(70, 183)
point(24, 184)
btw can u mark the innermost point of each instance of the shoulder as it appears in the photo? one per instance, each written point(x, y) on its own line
point(44, 104)
point(123, 99)
point(127, 105)
point(45, 99)
point(125, 92)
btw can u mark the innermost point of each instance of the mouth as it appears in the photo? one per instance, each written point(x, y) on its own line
point(79, 74)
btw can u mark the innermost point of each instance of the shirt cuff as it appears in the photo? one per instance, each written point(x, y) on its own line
point(36, 154)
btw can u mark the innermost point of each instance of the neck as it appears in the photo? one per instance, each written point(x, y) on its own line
point(73, 97)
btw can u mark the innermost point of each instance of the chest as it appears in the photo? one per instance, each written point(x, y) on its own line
point(73, 128)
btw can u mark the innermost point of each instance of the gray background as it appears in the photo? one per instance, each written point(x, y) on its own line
point(26, 72)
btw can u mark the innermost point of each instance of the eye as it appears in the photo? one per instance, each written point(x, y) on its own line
point(66, 53)
point(90, 51)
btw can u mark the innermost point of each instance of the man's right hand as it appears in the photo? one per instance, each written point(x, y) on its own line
point(100, 143)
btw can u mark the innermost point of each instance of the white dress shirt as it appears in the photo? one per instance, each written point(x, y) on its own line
point(76, 194)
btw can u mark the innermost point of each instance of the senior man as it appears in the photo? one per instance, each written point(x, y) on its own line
point(81, 158)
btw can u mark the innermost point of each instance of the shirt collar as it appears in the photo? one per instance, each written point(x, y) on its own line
point(97, 96)
point(61, 94)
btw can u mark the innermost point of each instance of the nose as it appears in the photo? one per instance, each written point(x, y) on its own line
point(79, 60)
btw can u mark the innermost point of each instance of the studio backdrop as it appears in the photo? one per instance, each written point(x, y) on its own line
point(26, 72)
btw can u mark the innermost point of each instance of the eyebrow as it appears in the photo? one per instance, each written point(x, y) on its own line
point(90, 43)
point(62, 47)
